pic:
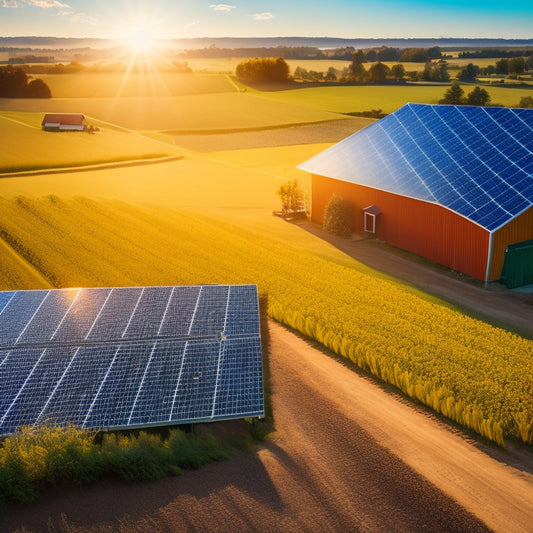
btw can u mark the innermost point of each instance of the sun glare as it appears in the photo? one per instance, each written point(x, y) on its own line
point(141, 41)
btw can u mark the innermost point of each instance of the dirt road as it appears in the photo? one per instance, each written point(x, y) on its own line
point(347, 456)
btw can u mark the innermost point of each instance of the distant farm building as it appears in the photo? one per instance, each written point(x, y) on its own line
point(63, 122)
point(453, 184)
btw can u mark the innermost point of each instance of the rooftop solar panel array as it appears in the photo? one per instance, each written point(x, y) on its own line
point(476, 161)
point(110, 358)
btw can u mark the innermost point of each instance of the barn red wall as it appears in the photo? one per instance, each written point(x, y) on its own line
point(518, 230)
point(423, 228)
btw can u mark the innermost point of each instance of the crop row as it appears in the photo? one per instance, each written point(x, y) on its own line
point(471, 372)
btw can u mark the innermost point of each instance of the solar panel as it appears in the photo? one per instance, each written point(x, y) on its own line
point(476, 161)
point(111, 358)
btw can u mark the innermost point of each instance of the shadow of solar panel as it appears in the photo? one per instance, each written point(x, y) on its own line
point(109, 358)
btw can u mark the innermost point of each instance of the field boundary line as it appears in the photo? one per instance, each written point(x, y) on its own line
point(237, 88)
point(222, 131)
point(19, 122)
point(88, 168)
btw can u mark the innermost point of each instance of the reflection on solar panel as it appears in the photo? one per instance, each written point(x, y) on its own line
point(109, 358)
point(476, 161)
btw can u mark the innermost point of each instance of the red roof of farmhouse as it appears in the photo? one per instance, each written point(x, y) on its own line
point(71, 119)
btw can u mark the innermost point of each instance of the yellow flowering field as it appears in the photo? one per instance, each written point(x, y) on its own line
point(474, 373)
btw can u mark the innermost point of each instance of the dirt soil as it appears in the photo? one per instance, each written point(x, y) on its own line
point(325, 132)
point(348, 454)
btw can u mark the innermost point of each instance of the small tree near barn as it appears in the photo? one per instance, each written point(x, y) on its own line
point(338, 216)
point(292, 198)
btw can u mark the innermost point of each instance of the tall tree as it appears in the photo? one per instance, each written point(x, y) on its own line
point(469, 73)
point(454, 95)
point(397, 71)
point(502, 66)
point(517, 65)
point(331, 74)
point(478, 96)
point(356, 69)
point(378, 72)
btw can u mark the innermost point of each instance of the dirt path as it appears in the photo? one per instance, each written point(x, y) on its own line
point(347, 456)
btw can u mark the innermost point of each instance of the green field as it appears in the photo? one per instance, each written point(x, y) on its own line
point(386, 98)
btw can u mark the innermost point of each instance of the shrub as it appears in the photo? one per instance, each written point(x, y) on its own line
point(338, 216)
point(194, 452)
point(36, 457)
point(526, 102)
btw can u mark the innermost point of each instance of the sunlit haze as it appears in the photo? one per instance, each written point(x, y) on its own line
point(253, 18)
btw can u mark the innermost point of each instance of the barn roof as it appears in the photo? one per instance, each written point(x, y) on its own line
point(475, 161)
point(71, 119)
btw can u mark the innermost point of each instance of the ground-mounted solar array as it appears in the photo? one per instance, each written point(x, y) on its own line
point(110, 358)
point(475, 161)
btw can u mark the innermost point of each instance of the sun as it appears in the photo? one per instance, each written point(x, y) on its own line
point(141, 41)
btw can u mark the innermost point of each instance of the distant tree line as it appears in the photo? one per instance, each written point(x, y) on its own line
point(15, 83)
point(494, 52)
point(287, 52)
point(436, 71)
point(371, 55)
point(512, 67)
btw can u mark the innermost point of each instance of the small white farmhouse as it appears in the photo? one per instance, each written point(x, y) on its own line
point(63, 122)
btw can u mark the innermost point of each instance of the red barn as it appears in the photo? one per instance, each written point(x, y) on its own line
point(63, 122)
point(453, 184)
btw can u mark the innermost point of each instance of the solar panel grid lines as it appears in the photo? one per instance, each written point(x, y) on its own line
point(56, 387)
point(434, 168)
point(389, 153)
point(130, 357)
point(436, 148)
point(9, 400)
point(91, 407)
point(488, 145)
point(465, 171)
point(477, 162)
point(64, 316)
point(522, 136)
point(133, 312)
point(178, 383)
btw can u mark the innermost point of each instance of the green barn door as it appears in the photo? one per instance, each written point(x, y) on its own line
point(518, 264)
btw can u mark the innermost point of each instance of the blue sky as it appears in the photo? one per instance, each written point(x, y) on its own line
point(256, 18)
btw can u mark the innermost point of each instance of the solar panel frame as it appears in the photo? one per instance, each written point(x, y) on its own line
point(98, 365)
